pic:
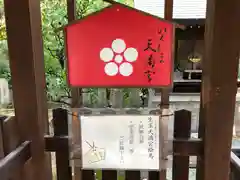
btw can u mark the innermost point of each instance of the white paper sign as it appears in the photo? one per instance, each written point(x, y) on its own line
point(120, 142)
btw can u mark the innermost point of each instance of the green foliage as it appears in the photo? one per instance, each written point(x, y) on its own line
point(127, 2)
point(54, 17)
point(4, 63)
point(2, 22)
point(5, 71)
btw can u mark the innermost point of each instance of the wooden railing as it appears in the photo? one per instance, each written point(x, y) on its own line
point(15, 152)
point(235, 164)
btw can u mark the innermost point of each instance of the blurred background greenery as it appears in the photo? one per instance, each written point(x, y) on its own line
point(54, 16)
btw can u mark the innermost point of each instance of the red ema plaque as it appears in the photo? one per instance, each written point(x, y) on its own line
point(120, 46)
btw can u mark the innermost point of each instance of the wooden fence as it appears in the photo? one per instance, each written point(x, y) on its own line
point(102, 97)
point(235, 164)
point(15, 152)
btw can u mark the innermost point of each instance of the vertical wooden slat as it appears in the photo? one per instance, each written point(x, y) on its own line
point(168, 9)
point(88, 175)
point(182, 129)
point(71, 10)
point(60, 124)
point(1, 140)
point(11, 134)
point(154, 175)
point(220, 67)
point(109, 175)
point(25, 48)
point(76, 141)
point(133, 175)
point(235, 174)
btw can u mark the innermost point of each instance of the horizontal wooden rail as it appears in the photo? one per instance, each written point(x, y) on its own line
point(235, 161)
point(187, 147)
point(183, 147)
point(56, 143)
point(15, 160)
point(235, 166)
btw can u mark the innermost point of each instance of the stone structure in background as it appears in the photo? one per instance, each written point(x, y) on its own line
point(4, 93)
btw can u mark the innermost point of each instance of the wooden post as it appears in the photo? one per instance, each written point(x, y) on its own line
point(220, 65)
point(182, 130)
point(168, 13)
point(168, 10)
point(60, 124)
point(76, 93)
point(2, 154)
point(71, 10)
point(23, 23)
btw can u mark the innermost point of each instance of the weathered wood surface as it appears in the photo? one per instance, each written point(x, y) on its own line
point(182, 129)
point(220, 64)
point(15, 161)
point(23, 23)
point(60, 124)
